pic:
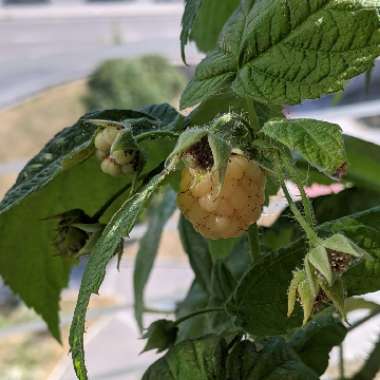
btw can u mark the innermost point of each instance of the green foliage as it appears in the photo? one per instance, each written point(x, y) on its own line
point(260, 301)
point(241, 318)
point(282, 52)
point(132, 83)
point(319, 143)
point(203, 20)
point(148, 249)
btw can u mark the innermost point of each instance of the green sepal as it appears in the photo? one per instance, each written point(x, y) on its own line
point(319, 259)
point(341, 243)
point(336, 295)
point(298, 276)
point(307, 300)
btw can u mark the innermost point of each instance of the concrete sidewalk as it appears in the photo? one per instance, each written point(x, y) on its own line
point(88, 11)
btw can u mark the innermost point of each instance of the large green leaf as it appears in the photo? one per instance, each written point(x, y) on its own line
point(47, 187)
point(318, 142)
point(260, 301)
point(148, 249)
point(209, 22)
point(314, 342)
point(284, 51)
point(197, 251)
point(269, 359)
point(220, 285)
point(120, 225)
point(208, 359)
point(200, 359)
point(58, 179)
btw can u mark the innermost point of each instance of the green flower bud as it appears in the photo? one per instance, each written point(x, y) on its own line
point(161, 335)
point(75, 233)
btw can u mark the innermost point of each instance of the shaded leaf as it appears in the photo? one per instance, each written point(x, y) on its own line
point(314, 342)
point(148, 249)
point(197, 251)
point(268, 359)
point(200, 359)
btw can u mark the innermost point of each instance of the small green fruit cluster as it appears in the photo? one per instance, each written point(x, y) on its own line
point(113, 162)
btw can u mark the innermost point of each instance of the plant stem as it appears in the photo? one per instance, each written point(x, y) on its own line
point(310, 233)
point(253, 239)
point(255, 123)
point(341, 362)
point(198, 312)
point(294, 176)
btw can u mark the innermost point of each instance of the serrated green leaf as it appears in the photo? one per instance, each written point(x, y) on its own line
point(283, 52)
point(200, 359)
point(274, 359)
point(260, 302)
point(148, 249)
point(314, 341)
point(120, 225)
point(318, 142)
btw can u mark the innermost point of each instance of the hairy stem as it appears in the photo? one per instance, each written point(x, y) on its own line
point(198, 312)
point(310, 233)
point(294, 176)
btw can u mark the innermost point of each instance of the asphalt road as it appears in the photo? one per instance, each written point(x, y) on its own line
point(38, 52)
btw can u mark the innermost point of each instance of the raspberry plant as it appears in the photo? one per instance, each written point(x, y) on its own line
point(266, 302)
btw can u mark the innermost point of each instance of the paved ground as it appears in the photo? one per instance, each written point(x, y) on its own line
point(46, 46)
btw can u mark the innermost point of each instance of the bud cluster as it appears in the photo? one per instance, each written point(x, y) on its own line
point(114, 162)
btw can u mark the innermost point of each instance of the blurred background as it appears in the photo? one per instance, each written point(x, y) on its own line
point(62, 58)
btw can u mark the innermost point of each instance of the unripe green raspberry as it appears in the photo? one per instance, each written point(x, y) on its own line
point(225, 213)
point(105, 138)
point(117, 162)
point(122, 158)
point(110, 167)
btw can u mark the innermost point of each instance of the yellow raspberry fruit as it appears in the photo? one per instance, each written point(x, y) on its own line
point(226, 212)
